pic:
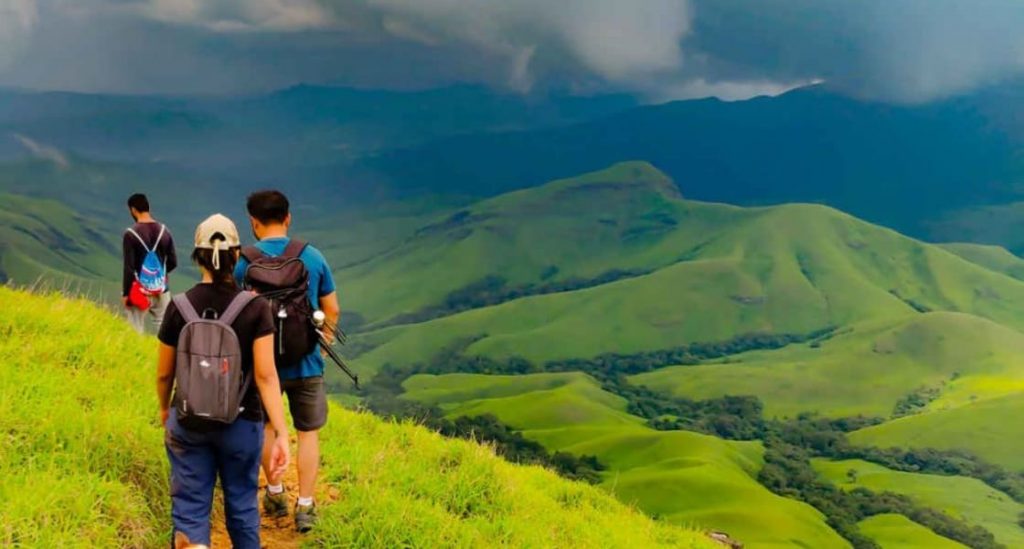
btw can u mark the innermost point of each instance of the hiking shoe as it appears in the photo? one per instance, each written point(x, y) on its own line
point(275, 505)
point(305, 517)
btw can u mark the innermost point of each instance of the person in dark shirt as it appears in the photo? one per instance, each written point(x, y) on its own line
point(145, 235)
point(200, 451)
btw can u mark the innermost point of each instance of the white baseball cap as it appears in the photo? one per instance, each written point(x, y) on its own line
point(217, 233)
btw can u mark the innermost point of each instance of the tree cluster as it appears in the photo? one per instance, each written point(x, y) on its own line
point(494, 290)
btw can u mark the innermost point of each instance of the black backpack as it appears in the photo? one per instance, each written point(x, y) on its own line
point(284, 282)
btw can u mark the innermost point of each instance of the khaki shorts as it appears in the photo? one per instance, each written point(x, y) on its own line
point(307, 401)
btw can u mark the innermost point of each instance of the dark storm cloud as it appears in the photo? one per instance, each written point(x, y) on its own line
point(901, 50)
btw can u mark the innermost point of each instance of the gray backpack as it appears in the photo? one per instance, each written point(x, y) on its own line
point(208, 366)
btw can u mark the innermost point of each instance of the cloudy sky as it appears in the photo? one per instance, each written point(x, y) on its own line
point(893, 50)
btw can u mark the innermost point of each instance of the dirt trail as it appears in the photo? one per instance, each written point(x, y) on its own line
point(274, 533)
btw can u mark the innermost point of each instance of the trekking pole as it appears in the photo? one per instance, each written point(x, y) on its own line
point(319, 321)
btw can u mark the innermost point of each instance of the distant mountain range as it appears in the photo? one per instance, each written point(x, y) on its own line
point(913, 168)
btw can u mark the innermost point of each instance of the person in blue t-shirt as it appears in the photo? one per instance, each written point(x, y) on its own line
point(302, 382)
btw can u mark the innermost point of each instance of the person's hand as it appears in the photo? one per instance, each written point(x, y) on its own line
point(126, 302)
point(164, 414)
point(279, 457)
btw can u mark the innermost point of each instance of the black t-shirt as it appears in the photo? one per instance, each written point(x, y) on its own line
point(254, 322)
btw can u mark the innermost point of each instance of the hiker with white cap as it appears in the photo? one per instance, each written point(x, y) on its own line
point(217, 354)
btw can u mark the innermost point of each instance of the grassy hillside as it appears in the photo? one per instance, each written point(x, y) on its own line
point(684, 477)
point(697, 273)
point(996, 258)
point(938, 327)
point(866, 369)
point(44, 239)
point(985, 428)
point(899, 532)
point(98, 479)
point(966, 498)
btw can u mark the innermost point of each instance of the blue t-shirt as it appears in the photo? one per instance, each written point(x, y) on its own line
point(321, 283)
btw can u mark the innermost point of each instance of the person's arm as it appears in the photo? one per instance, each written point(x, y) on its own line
point(164, 380)
point(171, 254)
point(128, 253)
point(265, 373)
point(328, 297)
point(329, 305)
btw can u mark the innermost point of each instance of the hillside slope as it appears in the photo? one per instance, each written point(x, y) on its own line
point(899, 532)
point(684, 477)
point(685, 272)
point(865, 369)
point(98, 479)
point(963, 497)
point(44, 239)
point(984, 427)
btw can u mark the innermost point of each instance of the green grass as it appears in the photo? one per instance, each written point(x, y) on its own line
point(84, 466)
point(684, 477)
point(865, 369)
point(965, 498)
point(987, 428)
point(899, 532)
point(82, 456)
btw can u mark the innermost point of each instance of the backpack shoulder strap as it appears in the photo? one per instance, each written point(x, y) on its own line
point(235, 308)
point(294, 249)
point(141, 241)
point(159, 237)
point(188, 312)
point(252, 254)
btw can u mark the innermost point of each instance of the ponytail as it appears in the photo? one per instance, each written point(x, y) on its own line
point(224, 272)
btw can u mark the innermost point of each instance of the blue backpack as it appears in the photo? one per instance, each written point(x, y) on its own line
point(153, 274)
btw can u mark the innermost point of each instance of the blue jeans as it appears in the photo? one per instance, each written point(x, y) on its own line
point(197, 459)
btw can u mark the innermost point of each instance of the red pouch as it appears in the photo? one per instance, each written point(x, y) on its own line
point(137, 298)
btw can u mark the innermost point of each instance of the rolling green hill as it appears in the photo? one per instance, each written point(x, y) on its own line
point(700, 273)
point(912, 328)
point(898, 532)
point(98, 479)
point(966, 498)
point(996, 258)
point(866, 369)
point(683, 477)
point(984, 427)
point(44, 240)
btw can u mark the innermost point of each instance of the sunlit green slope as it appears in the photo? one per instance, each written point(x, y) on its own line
point(866, 369)
point(84, 464)
point(965, 498)
point(683, 477)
